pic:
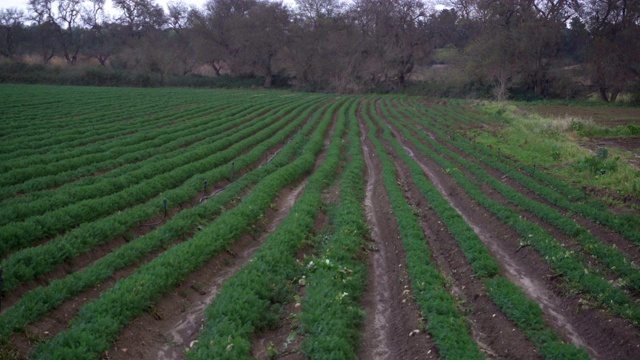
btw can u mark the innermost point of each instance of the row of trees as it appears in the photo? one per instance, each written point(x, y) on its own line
point(544, 47)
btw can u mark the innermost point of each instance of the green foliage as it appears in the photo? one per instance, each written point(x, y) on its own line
point(445, 322)
point(507, 297)
point(36, 303)
point(23, 73)
point(332, 315)
point(577, 272)
point(245, 302)
point(598, 164)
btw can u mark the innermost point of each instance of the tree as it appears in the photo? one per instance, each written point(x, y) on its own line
point(395, 35)
point(614, 51)
point(68, 16)
point(41, 13)
point(140, 15)
point(218, 27)
point(11, 24)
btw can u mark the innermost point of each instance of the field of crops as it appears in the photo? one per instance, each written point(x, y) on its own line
point(231, 224)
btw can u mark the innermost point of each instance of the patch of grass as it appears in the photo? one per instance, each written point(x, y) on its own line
point(553, 144)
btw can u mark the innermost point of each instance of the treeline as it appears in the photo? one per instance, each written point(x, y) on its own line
point(527, 49)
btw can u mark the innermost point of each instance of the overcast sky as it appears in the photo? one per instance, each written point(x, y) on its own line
point(22, 4)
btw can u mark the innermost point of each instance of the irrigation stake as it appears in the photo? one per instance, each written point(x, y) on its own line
point(1, 284)
point(165, 207)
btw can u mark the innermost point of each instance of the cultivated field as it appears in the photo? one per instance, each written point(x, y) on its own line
point(223, 224)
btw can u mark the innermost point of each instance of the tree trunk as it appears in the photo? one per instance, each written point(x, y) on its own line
point(215, 68)
point(603, 93)
point(268, 80)
point(614, 95)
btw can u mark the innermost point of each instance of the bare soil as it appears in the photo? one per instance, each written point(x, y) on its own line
point(170, 328)
point(602, 115)
point(603, 336)
point(392, 314)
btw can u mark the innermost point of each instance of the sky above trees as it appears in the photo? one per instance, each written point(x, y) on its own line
point(22, 4)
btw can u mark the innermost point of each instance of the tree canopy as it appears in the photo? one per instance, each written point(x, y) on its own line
point(543, 48)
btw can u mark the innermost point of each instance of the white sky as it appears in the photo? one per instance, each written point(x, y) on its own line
point(22, 4)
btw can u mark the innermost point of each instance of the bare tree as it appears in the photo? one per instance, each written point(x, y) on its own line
point(140, 15)
point(68, 17)
point(614, 52)
point(11, 21)
point(41, 13)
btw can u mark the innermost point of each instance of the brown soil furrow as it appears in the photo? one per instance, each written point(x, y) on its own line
point(278, 339)
point(496, 335)
point(608, 236)
point(173, 334)
point(135, 232)
point(175, 321)
point(391, 314)
point(603, 336)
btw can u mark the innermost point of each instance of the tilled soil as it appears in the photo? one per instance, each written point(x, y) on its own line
point(394, 327)
point(170, 328)
point(611, 116)
point(603, 336)
point(392, 315)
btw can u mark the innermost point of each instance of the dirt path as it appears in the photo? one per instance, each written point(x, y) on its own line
point(391, 313)
point(603, 336)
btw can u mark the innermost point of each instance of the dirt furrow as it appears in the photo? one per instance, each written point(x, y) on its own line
point(495, 334)
point(603, 336)
point(171, 326)
point(391, 314)
point(608, 236)
point(168, 329)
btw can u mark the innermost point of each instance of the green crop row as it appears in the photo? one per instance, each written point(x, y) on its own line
point(510, 299)
point(95, 138)
point(445, 322)
point(48, 138)
point(610, 256)
point(101, 152)
point(248, 301)
point(576, 274)
point(553, 182)
point(627, 226)
point(99, 136)
point(38, 302)
point(129, 140)
point(331, 313)
point(30, 263)
point(126, 176)
point(78, 116)
point(99, 322)
point(557, 191)
point(133, 160)
point(20, 234)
